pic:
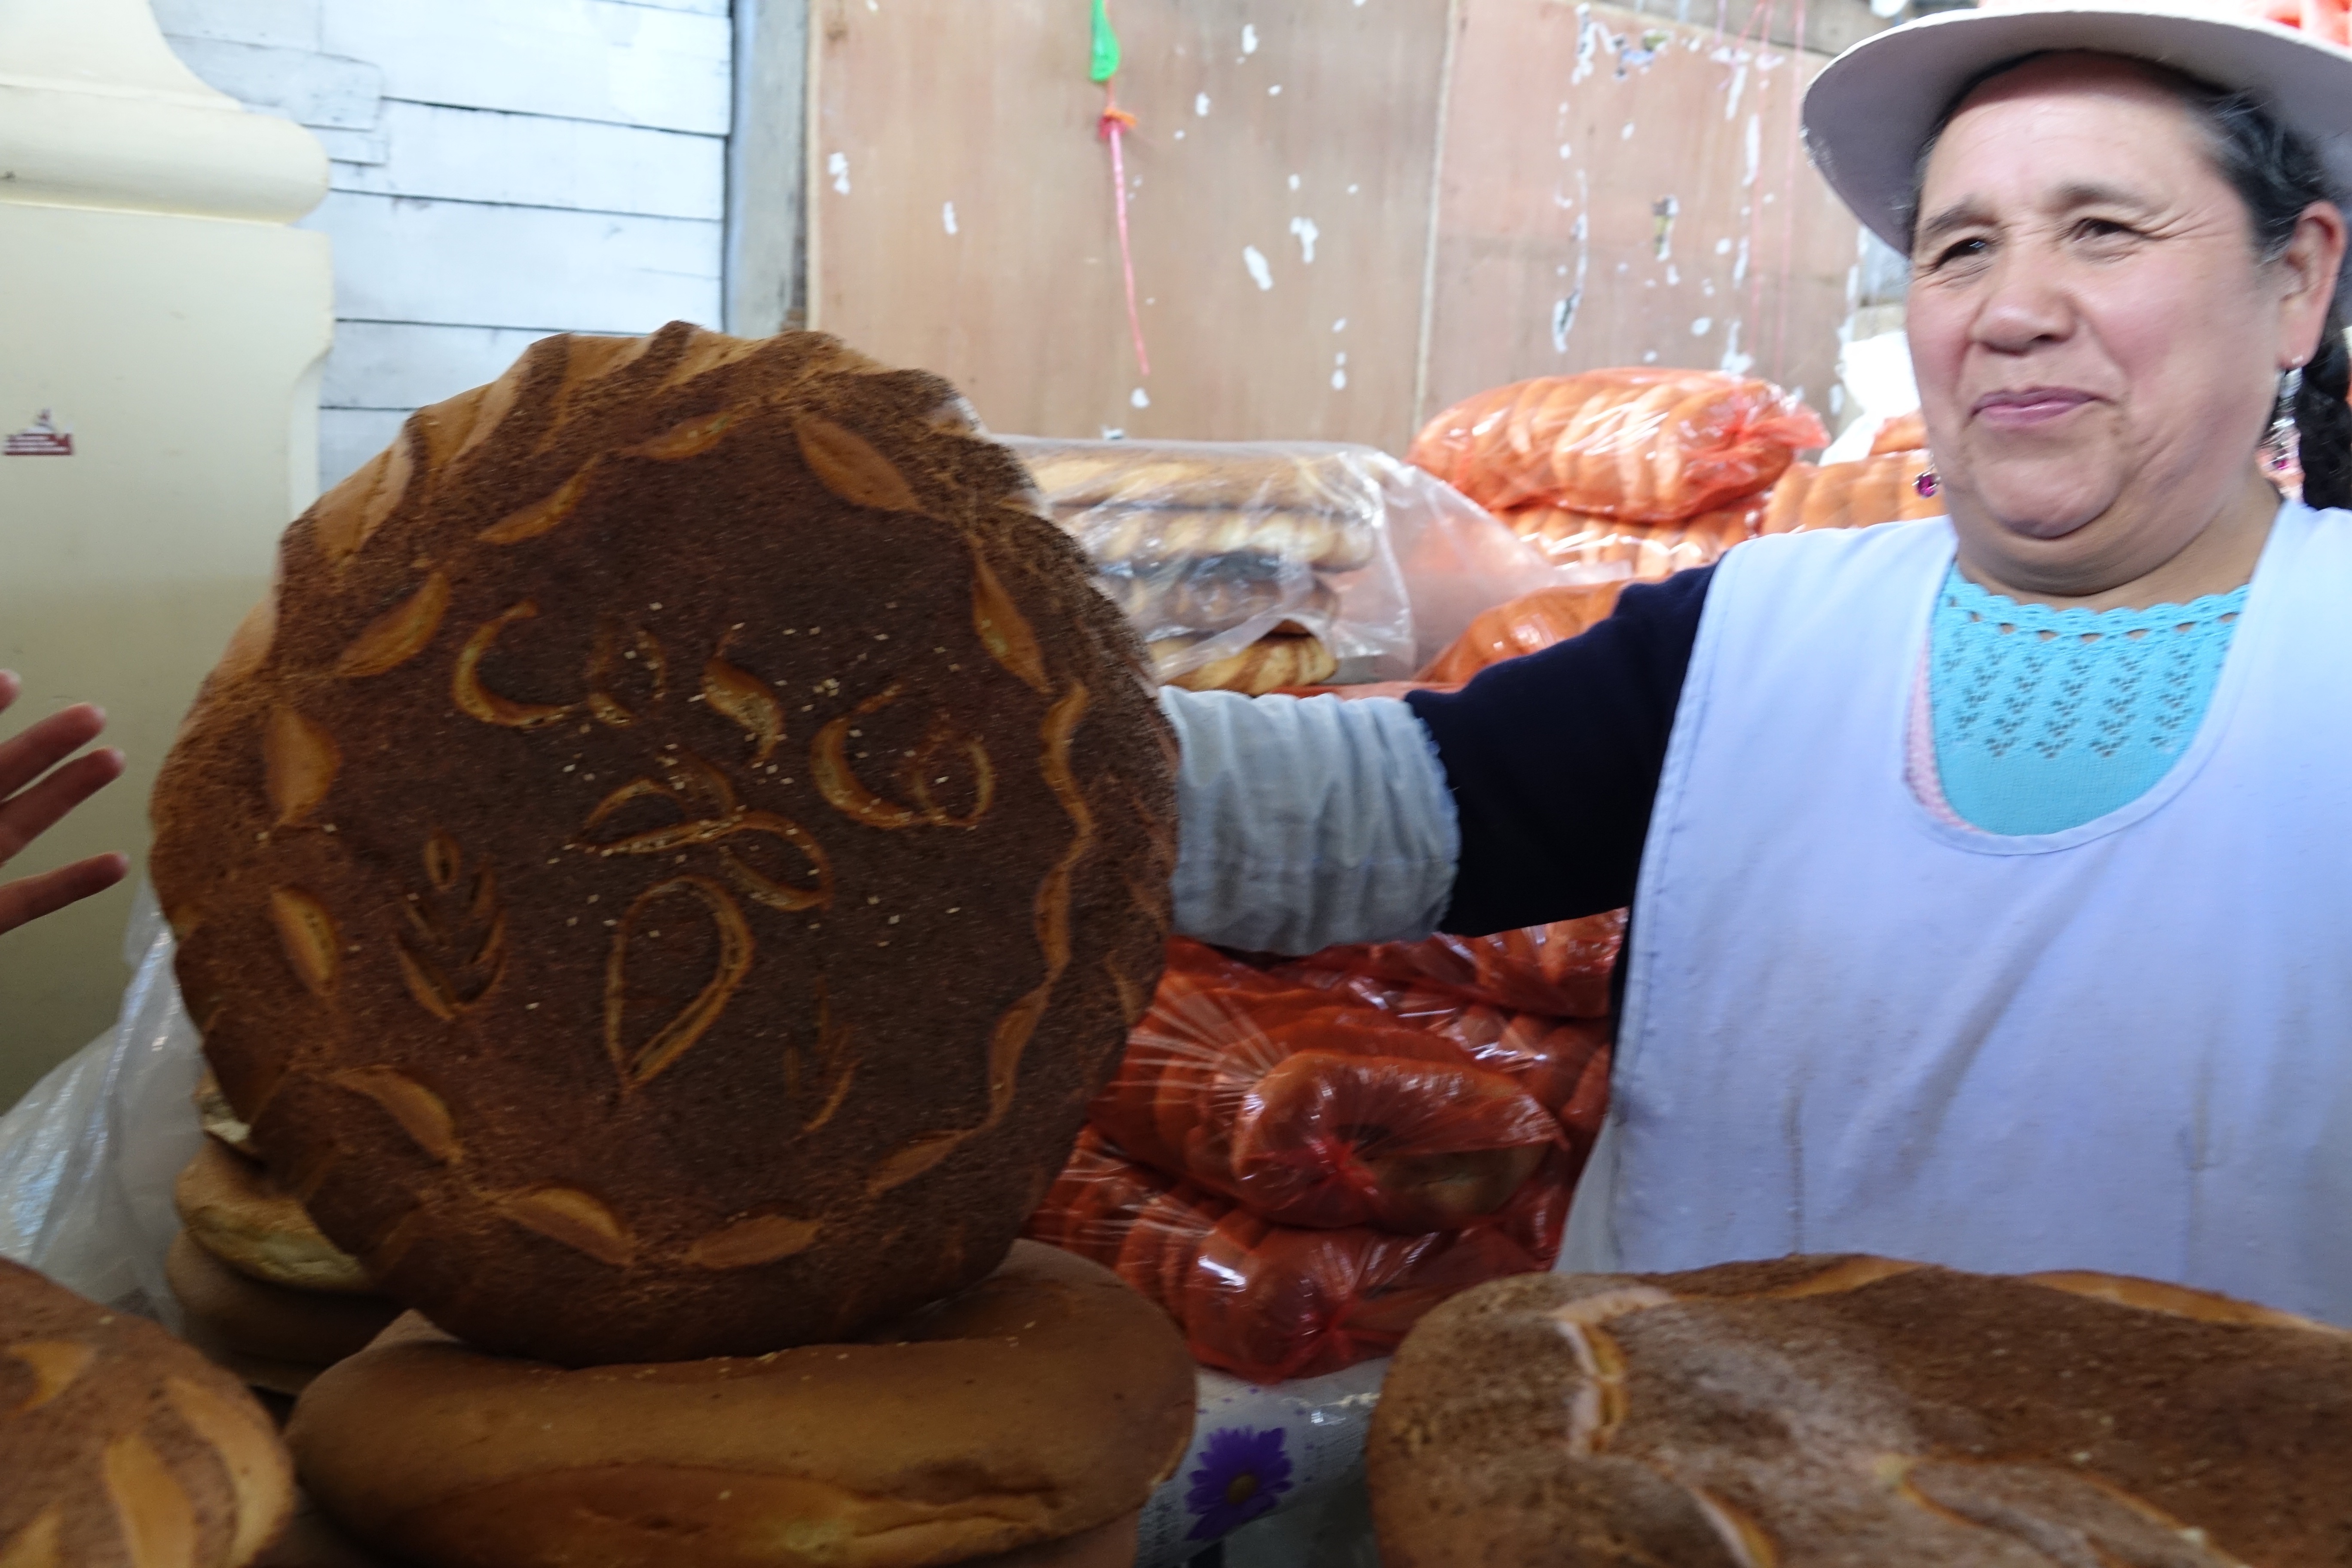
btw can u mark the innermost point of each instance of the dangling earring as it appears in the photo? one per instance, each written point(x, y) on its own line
point(1926, 484)
point(2282, 450)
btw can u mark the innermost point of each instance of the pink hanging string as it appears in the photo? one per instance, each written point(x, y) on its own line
point(1115, 122)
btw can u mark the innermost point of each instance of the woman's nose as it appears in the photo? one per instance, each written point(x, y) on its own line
point(2024, 302)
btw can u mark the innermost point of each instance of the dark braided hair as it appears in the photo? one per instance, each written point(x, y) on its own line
point(2278, 174)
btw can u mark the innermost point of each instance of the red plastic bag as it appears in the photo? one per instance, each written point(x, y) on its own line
point(1269, 1301)
point(1561, 969)
point(1644, 445)
point(1526, 624)
point(1311, 1106)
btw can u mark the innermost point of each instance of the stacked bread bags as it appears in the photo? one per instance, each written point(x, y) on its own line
point(264, 1293)
point(1884, 486)
point(1297, 1160)
point(1628, 473)
point(1228, 558)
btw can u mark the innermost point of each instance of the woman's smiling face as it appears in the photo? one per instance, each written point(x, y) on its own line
point(2097, 340)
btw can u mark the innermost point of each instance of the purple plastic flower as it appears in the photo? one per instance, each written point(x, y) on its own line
point(1241, 1473)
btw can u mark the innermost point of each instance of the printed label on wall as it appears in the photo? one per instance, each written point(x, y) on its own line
point(41, 438)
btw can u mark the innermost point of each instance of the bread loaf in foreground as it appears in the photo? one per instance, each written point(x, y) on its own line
point(1859, 1413)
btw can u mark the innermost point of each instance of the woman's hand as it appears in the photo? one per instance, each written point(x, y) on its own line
point(36, 790)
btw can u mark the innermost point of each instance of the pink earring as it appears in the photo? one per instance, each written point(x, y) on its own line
point(1925, 483)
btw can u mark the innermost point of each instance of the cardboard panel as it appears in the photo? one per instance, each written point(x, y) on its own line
point(1619, 189)
point(961, 215)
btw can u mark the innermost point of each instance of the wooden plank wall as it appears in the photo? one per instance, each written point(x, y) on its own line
point(1622, 190)
point(962, 212)
point(502, 169)
point(1615, 188)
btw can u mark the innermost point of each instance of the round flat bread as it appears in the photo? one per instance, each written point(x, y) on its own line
point(667, 868)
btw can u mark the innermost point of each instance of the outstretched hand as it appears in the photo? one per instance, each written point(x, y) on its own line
point(36, 790)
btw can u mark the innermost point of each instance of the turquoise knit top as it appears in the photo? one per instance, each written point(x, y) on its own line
point(2046, 718)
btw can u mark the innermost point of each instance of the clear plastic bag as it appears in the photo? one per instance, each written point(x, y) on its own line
point(1269, 1301)
point(1560, 969)
point(1312, 1106)
point(1642, 445)
point(87, 1158)
point(1884, 489)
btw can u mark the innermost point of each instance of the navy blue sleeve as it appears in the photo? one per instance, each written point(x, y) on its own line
point(1553, 760)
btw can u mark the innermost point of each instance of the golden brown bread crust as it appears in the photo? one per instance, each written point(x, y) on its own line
point(234, 1211)
point(1857, 1412)
point(1269, 664)
point(219, 1118)
point(1145, 537)
point(1202, 477)
point(122, 1447)
point(1046, 1401)
point(670, 871)
point(249, 1326)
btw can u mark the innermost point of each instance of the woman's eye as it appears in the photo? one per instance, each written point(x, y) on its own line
point(1961, 250)
point(2102, 228)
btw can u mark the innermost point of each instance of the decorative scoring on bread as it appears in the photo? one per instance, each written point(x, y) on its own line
point(577, 1219)
point(307, 934)
point(421, 1113)
point(398, 634)
point(846, 464)
point(299, 763)
point(56, 1364)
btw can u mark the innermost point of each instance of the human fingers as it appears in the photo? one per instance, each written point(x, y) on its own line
point(9, 687)
point(30, 898)
point(25, 757)
point(26, 816)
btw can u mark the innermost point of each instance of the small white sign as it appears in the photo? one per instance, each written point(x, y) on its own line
point(41, 438)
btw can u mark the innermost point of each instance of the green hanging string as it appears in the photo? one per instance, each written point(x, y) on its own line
point(1106, 64)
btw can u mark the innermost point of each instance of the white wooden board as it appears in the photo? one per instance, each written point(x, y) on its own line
point(585, 60)
point(288, 23)
point(406, 364)
point(527, 159)
point(349, 437)
point(299, 84)
point(463, 263)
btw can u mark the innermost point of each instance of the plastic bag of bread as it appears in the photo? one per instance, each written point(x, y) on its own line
point(1526, 624)
point(1245, 565)
point(1561, 969)
point(2327, 20)
point(1884, 489)
point(1272, 1301)
point(1904, 433)
point(1584, 547)
point(1310, 1106)
point(1645, 444)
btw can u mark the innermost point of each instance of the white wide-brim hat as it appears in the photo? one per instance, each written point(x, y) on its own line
point(1872, 108)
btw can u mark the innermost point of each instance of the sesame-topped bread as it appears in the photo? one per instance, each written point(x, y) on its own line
point(1856, 1412)
point(122, 1447)
point(668, 865)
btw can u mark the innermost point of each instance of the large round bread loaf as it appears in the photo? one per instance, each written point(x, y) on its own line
point(1858, 1413)
point(122, 1447)
point(668, 866)
point(1042, 1405)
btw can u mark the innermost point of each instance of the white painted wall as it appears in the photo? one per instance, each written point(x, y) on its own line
point(503, 169)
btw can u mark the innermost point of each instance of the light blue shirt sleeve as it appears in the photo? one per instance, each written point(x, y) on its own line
point(1305, 822)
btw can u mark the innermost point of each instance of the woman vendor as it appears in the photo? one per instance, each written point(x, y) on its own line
point(1992, 885)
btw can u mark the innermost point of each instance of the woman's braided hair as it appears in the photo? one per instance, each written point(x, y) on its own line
point(2278, 174)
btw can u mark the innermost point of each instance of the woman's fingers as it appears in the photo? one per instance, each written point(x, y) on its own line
point(30, 898)
point(9, 687)
point(26, 816)
point(25, 757)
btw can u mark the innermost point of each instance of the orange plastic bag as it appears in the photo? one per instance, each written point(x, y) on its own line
point(1851, 495)
point(1526, 624)
point(1904, 433)
point(1560, 969)
point(1269, 1301)
point(1311, 1106)
point(1639, 443)
point(2327, 20)
point(1597, 548)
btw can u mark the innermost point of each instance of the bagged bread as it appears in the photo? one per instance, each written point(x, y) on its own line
point(1561, 970)
point(1586, 547)
point(1904, 433)
point(1644, 445)
point(1526, 624)
point(1882, 488)
point(1310, 1105)
point(1270, 1302)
